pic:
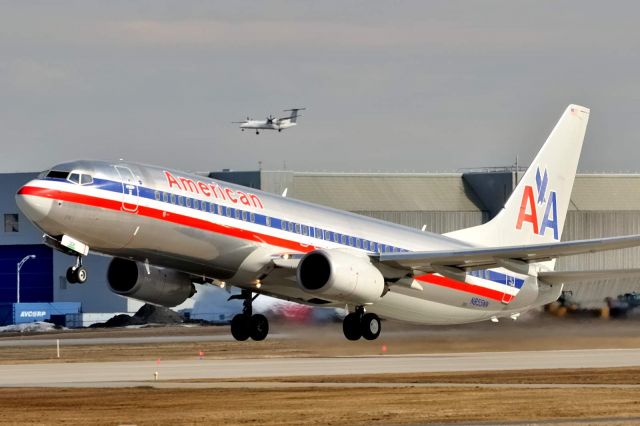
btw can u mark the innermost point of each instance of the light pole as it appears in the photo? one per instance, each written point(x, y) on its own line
point(18, 267)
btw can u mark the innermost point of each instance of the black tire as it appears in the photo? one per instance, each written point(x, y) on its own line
point(370, 326)
point(71, 275)
point(240, 327)
point(259, 327)
point(351, 327)
point(80, 275)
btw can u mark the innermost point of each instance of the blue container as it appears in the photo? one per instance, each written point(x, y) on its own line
point(31, 312)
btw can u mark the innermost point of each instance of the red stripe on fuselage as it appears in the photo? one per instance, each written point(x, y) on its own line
point(206, 225)
point(462, 286)
point(166, 216)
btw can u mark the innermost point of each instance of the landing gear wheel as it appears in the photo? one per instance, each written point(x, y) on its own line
point(370, 326)
point(259, 327)
point(351, 327)
point(71, 275)
point(240, 327)
point(80, 275)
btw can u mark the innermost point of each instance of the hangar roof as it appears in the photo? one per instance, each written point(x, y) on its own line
point(435, 191)
point(376, 191)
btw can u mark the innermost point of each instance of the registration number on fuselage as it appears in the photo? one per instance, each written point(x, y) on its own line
point(478, 302)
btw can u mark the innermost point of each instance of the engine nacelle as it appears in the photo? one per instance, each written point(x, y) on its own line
point(164, 287)
point(340, 276)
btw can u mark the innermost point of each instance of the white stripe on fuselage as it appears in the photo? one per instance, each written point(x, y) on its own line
point(241, 224)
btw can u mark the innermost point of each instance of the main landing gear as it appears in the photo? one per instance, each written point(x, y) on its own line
point(77, 274)
point(246, 324)
point(360, 324)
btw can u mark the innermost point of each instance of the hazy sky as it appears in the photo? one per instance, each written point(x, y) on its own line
point(393, 86)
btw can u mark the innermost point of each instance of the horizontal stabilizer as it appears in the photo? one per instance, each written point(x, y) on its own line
point(559, 277)
point(487, 257)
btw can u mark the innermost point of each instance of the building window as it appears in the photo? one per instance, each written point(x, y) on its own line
point(11, 223)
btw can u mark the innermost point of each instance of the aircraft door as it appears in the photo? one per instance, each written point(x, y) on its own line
point(130, 194)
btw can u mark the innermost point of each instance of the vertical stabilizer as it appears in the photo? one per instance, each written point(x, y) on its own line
point(294, 114)
point(536, 210)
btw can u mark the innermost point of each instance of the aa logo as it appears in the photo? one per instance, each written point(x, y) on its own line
point(532, 203)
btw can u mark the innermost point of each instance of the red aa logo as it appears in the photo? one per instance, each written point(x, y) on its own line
point(529, 207)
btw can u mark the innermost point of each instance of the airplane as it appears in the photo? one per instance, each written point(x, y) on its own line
point(271, 123)
point(168, 229)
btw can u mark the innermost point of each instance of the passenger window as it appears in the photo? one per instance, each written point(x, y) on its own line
point(86, 179)
point(252, 218)
point(196, 204)
point(319, 233)
point(336, 237)
point(238, 214)
point(267, 220)
point(173, 198)
point(245, 216)
point(214, 208)
point(181, 200)
point(297, 228)
point(74, 178)
point(284, 225)
point(358, 243)
point(204, 206)
point(229, 211)
point(157, 195)
point(165, 197)
point(343, 239)
point(305, 230)
point(188, 202)
point(352, 241)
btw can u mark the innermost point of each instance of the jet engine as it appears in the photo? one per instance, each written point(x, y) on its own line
point(340, 276)
point(164, 287)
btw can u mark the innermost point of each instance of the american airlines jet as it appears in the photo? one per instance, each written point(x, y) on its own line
point(168, 229)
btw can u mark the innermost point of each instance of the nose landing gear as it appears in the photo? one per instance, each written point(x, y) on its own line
point(360, 324)
point(77, 274)
point(247, 324)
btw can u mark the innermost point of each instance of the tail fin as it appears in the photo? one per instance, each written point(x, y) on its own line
point(294, 114)
point(536, 210)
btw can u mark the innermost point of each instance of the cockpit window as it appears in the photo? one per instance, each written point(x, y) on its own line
point(74, 177)
point(57, 174)
point(86, 179)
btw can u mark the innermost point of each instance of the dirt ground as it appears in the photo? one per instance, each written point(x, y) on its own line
point(594, 396)
point(374, 405)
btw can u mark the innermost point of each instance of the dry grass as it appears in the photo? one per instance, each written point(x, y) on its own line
point(145, 406)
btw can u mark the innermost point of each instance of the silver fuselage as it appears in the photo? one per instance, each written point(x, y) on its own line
point(223, 231)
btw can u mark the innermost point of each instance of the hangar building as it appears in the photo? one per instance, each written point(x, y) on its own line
point(601, 205)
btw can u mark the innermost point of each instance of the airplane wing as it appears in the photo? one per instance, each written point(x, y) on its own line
point(563, 277)
point(487, 257)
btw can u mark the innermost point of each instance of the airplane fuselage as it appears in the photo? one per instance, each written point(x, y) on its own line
point(215, 229)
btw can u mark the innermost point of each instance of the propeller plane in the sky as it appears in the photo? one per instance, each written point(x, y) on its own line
point(271, 123)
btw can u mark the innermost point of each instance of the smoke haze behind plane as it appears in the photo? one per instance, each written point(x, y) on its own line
point(421, 86)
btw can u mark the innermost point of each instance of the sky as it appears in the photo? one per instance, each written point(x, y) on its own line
point(421, 86)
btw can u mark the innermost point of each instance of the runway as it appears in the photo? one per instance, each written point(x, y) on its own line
point(111, 374)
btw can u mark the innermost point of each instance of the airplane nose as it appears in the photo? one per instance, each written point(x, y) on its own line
point(33, 206)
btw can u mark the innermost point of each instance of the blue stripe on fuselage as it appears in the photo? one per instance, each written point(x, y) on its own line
point(277, 223)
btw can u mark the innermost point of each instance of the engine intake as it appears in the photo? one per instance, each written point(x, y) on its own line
point(164, 287)
point(340, 276)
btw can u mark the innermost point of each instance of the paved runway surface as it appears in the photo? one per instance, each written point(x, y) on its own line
point(110, 373)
